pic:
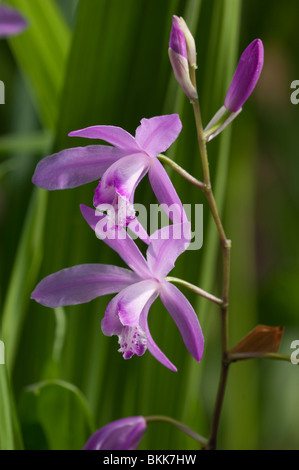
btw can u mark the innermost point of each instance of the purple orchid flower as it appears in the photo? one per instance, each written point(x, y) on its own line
point(120, 167)
point(11, 22)
point(126, 314)
point(123, 434)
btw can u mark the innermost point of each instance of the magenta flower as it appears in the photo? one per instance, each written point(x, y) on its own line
point(120, 167)
point(178, 57)
point(11, 22)
point(126, 314)
point(246, 76)
point(123, 434)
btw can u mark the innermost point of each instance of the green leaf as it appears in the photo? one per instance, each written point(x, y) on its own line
point(47, 410)
point(10, 437)
point(41, 53)
point(26, 267)
point(34, 142)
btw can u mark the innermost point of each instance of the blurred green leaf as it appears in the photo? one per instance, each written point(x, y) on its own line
point(10, 437)
point(41, 53)
point(53, 410)
point(27, 264)
point(35, 142)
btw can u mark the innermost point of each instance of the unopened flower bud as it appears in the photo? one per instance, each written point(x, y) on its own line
point(190, 42)
point(242, 85)
point(123, 434)
point(179, 59)
point(246, 76)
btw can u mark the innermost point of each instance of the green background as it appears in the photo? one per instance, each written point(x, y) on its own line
point(90, 62)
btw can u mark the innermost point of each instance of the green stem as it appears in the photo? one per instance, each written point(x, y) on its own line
point(182, 172)
point(225, 247)
point(200, 134)
point(181, 426)
point(196, 290)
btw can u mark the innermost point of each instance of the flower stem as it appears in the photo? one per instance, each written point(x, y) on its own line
point(200, 134)
point(234, 357)
point(181, 426)
point(196, 290)
point(225, 247)
point(212, 444)
point(182, 172)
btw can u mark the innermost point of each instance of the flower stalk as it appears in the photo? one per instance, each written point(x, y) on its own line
point(196, 290)
point(226, 248)
point(182, 172)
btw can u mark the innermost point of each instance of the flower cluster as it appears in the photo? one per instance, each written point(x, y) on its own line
point(120, 167)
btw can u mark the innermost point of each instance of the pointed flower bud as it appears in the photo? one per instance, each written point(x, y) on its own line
point(242, 85)
point(123, 434)
point(246, 76)
point(179, 59)
point(190, 42)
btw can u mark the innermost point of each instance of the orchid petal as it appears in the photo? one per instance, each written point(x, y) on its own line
point(11, 21)
point(123, 434)
point(185, 318)
point(166, 193)
point(80, 284)
point(122, 317)
point(113, 135)
point(155, 135)
point(121, 179)
point(127, 306)
point(151, 345)
point(74, 167)
point(166, 245)
point(119, 241)
point(133, 299)
point(137, 228)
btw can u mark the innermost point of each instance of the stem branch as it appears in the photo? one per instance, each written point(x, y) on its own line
point(182, 172)
point(196, 290)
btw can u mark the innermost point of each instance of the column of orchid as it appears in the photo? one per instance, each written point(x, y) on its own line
point(120, 167)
